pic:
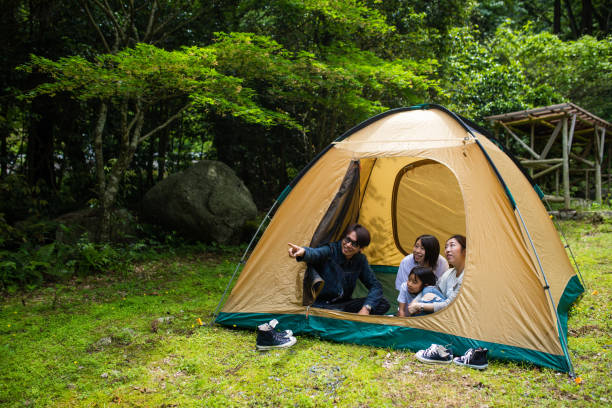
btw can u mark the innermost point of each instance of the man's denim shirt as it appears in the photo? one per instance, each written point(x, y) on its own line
point(341, 274)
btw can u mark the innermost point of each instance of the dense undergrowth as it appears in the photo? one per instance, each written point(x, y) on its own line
point(31, 256)
point(131, 337)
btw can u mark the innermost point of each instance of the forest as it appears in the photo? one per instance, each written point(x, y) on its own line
point(101, 99)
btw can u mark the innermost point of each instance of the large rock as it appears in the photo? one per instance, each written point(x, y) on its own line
point(207, 202)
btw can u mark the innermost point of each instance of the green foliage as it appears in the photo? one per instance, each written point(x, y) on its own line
point(305, 25)
point(29, 257)
point(262, 85)
point(481, 83)
point(20, 199)
point(152, 74)
point(579, 71)
point(519, 69)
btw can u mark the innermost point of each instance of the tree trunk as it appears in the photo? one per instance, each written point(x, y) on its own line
point(99, 154)
point(100, 176)
point(4, 130)
point(557, 17)
point(150, 159)
point(586, 23)
point(130, 139)
point(162, 151)
point(572, 20)
point(126, 154)
point(39, 157)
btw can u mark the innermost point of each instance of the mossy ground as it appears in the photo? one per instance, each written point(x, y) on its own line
point(134, 340)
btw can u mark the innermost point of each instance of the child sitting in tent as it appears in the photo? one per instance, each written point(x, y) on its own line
point(420, 287)
point(426, 252)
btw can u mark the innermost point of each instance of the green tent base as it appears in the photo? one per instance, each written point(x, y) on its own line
point(572, 291)
point(388, 336)
point(398, 337)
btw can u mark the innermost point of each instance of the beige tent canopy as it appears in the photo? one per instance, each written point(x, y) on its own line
point(407, 172)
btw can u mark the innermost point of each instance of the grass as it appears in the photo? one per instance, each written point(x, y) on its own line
point(134, 341)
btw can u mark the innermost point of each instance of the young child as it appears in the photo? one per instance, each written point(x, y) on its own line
point(420, 287)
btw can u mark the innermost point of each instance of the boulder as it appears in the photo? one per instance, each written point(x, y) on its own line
point(207, 202)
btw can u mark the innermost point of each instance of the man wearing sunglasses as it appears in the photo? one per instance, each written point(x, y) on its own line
point(340, 264)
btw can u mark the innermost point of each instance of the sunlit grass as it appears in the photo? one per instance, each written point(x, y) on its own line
point(116, 341)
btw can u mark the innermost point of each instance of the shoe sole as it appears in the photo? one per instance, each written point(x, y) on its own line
point(477, 367)
point(426, 361)
point(290, 343)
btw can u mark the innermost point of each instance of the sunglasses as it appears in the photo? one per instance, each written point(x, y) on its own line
point(352, 242)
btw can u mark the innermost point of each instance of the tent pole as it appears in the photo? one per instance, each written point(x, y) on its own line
point(552, 302)
point(242, 261)
point(547, 288)
point(566, 180)
point(567, 246)
point(515, 207)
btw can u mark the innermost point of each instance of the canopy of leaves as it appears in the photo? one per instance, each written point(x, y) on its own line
point(269, 83)
point(154, 75)
point(520, 69)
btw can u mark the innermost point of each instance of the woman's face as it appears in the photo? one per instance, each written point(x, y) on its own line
point(418, 252)
point(414, 284)
point(455, 254)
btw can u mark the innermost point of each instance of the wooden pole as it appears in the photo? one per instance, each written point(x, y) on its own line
point(580, 159)
point(532, 143)
point(598, 160)
point(553, 199)
point(566, 184)
point(518, 139)
point(548, 170)
point(586, 177)
point(544, 161)
point(557, 182)
point(571, 133)
point(551, 141)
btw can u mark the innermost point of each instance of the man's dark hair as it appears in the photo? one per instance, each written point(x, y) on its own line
point(425, 275)
point(432, 249)
point(363, 236)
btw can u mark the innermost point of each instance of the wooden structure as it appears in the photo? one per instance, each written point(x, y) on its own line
point(580, 149)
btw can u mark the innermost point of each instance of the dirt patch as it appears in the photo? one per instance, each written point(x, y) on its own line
point(581, 331)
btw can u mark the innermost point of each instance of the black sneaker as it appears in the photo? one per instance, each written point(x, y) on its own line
point(268, 338)
point(475, 358)
point(435, 354)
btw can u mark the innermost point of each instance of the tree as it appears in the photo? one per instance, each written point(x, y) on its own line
point(326, 95)
point(579, 71)
point(133, 80)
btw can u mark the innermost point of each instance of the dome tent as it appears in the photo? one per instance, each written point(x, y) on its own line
point(403, 173)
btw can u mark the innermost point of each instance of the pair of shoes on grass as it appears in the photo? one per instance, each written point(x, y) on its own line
point(268, 338)
point(437, 354)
